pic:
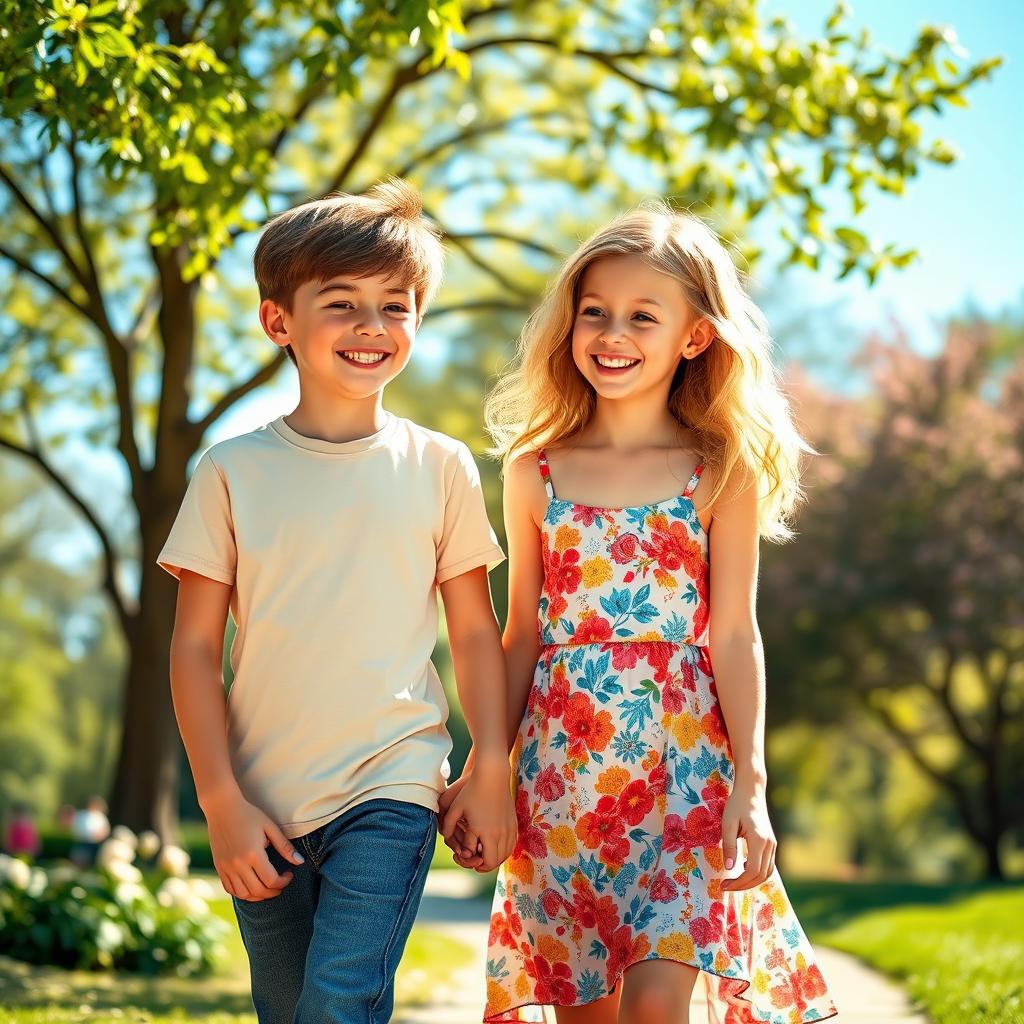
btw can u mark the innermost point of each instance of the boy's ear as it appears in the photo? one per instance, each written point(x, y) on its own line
point(272, 321)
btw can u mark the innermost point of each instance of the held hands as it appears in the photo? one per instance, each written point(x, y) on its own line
point(239, 836)
point(478, 819)
point(746, 815)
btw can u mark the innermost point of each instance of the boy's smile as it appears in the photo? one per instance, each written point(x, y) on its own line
point(350, 335)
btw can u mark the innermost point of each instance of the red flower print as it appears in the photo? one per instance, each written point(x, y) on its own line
point(552, 982)
point(663, 889)
point(708, 930)
point(798, 988)
point(549, 785)
point(586, 515)
point(714, 795)
point(714, 727)
point(625, 949)
point(624, 548)
point(765, 917)
point(558, 692)
point(733, 938)
point(589, 911)
point(554, 904)
point(703, 827)
point(624, 656)
point(506, 926)
point(561, 573)
point(603, 827)
point(658, 779)
point(673, 836)
point(592, 630)
point(557, 608)
point(530, 841)
point(586, 730)
point(636, 802)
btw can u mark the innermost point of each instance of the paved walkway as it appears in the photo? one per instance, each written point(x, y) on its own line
point(862, 995)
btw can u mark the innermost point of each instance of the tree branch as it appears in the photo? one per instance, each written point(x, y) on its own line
point(34, 453)
point(26, 267)
point(475, 258)
point(478, 305)
point(504, 236)
point(235, 394)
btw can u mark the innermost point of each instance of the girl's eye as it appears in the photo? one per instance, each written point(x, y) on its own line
point(646, 316)
point(591, 311)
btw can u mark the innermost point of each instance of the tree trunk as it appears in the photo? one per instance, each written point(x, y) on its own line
point(145, 789)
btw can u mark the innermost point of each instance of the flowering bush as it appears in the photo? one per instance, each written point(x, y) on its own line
point(112, 917)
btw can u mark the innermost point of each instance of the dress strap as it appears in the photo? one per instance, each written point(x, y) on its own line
point(695, 479)
point(545, 472)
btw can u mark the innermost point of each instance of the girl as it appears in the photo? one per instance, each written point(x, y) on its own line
point(647, 448)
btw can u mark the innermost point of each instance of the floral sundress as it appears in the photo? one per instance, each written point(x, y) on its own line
point(623, 768)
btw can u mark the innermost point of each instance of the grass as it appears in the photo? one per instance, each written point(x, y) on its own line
point(958, 950)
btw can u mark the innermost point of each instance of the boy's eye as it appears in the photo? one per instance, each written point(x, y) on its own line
point(339, 305)
point(395, 307)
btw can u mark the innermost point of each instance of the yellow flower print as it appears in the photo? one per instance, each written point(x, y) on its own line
point(612, 781)
point(566, 537)
point(562, 841)
point(551, 949)
point(596, 571)
point(676, 946)
point(687, 730)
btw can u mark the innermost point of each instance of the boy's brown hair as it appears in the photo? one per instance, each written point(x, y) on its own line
point(381, 232)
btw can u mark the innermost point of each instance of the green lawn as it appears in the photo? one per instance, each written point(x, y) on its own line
point(959, 950)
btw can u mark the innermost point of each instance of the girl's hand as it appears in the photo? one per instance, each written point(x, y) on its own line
point(746, 815)
point(456, 841)
point(484, 817)
point(239, 836)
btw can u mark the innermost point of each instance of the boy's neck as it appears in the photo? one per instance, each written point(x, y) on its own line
point(337, 420)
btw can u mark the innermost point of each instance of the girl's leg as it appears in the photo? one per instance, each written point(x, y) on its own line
point(601, 1011)
point(657, 992)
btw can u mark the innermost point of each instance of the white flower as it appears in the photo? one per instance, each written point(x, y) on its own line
point(203, 889)
point(123, 872)
point(114, 850)
point(149, 844)
point(175, 892)
point(174, 860)
point(125, 835)
point(127, 893)
point(19, 874)
point(109, 936)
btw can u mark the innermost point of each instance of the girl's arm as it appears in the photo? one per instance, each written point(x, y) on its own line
point(737, 658)
point(238, 830)
point(524, 503)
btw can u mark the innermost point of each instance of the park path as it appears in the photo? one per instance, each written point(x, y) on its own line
point(862, 995)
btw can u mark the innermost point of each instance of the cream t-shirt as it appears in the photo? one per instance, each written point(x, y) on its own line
point(333, 552)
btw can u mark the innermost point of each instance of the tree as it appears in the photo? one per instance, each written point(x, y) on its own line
point(901, 598)
point(143, 142)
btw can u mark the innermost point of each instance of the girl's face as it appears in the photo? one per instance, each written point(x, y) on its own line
point(633, 327)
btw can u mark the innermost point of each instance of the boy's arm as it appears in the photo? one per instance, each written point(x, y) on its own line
point(480, 678)
point(239, 832)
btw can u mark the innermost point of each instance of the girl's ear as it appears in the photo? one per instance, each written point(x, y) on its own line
point(701, 335)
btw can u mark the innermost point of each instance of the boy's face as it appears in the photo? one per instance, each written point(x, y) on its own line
point(350, 335)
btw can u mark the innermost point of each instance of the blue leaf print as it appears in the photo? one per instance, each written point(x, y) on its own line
point(647, 915)
point(641, 595)
point(560, 740)
point(638, 835)
point(725, 767)
point(562, 876)
point(593, 869)
point(637, 711)
point(690, 595)
point(497, 970)
point(596, 757)
point(638, 516)
point(597, 948)
point(525, 905)
point(792, 935)
point(706, 960)
point(675, 630)
point(706, 763)
point(576, 659)
point(529, 762)
point(645, 613)
point(568, 627)
point(634, 905)
point(624, 632)
point(624, 879)
point(596, 682)
point(591, 985)
point(647, 859)
point(557, 509)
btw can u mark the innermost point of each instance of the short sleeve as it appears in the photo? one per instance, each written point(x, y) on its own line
point(202, 538)
point(467, 539)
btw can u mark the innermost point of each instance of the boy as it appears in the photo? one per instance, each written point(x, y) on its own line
point(326, 533)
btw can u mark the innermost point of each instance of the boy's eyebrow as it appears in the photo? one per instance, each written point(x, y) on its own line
point(649, 302)
point(342, 287)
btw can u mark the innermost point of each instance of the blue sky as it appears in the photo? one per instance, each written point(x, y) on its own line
point(966, 220)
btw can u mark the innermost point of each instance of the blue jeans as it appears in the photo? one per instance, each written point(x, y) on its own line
point(325, 950)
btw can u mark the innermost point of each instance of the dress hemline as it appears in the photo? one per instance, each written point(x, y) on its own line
point(504, 1018)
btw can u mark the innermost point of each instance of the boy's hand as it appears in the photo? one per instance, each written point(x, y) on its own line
point(479, 823)
point(239, 836)
point(456, 842)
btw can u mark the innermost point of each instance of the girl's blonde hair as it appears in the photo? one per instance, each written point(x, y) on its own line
point(729, 395)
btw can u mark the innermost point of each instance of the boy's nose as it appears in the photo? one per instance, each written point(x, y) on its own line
point(371, 328)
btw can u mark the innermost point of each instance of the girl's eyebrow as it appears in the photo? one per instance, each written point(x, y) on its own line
point(648, 302)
